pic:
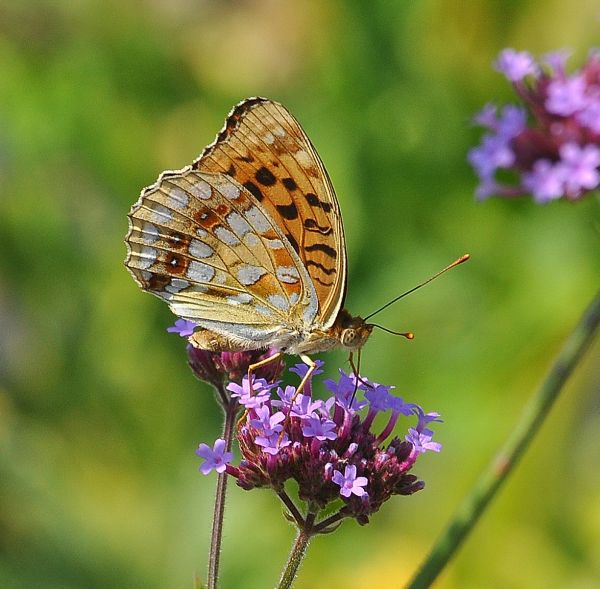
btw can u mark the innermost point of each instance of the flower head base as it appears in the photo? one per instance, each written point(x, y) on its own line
point(327, 447)
point(218, 367)
point(557, 153)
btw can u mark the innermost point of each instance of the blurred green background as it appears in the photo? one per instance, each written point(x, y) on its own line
point(99, 414)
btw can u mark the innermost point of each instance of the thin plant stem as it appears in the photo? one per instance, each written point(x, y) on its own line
point(326, 523)
point(230, 409)
point(492, 479)
point(297, 554)
point(294, 512)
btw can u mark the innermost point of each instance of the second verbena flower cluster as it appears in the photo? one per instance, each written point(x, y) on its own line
point(549, 148)
point(329, 447)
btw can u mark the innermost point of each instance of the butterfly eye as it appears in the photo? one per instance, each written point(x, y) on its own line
point(348, 337)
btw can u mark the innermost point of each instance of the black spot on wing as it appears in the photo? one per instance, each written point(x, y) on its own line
point(321, 247)
point(323, 282)
point(327, 271)
point(311, 225)
point(289, 183)
point(289, 212)
point(314, 201)
point(265, 177)
point(254, 189)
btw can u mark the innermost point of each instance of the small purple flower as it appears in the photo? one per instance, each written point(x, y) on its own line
point(425, 418)
point(545, 181)
point(589, 116)
point(493, 153)
point(580, 167)
point(556, 61)
point(566, 97)
point(214, 458)
point(487, 116)
point(286, 395)
point(301, 369)
point(251, 396)
point(515, 65)
point(304, 406)
point(183, 327)
point(378, 397)
point(349, 483)
point(345, 391)
point(421, 441)
point(271, 444)
point(267, 423)
point(318, 427)
point(398, 405)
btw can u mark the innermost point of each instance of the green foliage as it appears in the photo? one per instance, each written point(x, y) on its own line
point(99, 415)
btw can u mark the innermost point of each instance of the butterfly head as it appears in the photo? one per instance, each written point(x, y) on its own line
point(352, 332)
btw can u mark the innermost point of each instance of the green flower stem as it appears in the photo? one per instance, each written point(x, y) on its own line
point(297, 554)
point(230, 409)
point(531, 419)
point(293, 510)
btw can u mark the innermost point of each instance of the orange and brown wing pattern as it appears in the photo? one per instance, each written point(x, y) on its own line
point(200, 241)
point(266, 151)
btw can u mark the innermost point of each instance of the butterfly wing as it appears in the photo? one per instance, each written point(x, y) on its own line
point(265, 150)
point(201, 242)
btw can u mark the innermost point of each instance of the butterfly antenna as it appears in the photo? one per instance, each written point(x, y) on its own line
point(406, 334)
point(450, 266)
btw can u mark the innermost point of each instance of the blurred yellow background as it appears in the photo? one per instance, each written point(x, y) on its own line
point(99, 414)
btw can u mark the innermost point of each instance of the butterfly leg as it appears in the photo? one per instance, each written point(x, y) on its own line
point(356, 372)
point(311, 368)
point(253, 367)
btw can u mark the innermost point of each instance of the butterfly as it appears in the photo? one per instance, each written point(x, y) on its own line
point(248, 242)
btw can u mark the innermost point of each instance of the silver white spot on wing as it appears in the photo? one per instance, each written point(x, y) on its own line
point(288, 274)
point(147, 256)
point(200, 272)
point(201, 189)
point(226, 236)
point(279, 131)
point(303, 158)
point(269, 138)
point(251, 240)
point(241, 298)
point(201, 232)
point(161, 214)
point(257, 219)
point(239, 225)
point(274, 244)
point(229, 190)
point(279, 302)
point(151, 233)
point(199, 249)
point(248, 274)
point(177, 198)
point(176, 285)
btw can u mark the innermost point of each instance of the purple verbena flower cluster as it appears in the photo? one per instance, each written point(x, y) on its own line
point(328, 447)
point(550, 147)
